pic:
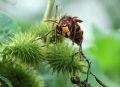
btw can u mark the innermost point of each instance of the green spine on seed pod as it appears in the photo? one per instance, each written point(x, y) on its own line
point(61, 60)
point(25, 48)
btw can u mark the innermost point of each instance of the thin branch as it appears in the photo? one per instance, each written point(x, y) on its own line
point(89, 72)
point(89, 64)
point(56, 13)
point(45, 34)
point(98, 80)
point(49, 9)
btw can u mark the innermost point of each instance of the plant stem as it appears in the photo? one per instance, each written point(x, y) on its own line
point(45, 34)
point(48, 9)
point(98, 80)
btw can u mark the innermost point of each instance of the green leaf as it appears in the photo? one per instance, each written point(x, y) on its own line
point(6, 81)
point(106, 49)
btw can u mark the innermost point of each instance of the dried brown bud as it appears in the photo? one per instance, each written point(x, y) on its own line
point(85, 84)
point(75, 79)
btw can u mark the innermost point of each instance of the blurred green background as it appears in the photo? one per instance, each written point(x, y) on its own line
point(101, 26)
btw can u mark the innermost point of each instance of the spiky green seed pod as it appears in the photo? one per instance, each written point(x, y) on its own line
point(61, 60)
point(20, 75)
point(23, 47)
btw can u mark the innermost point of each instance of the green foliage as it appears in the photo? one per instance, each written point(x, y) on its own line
point(7, 27)
point(23, 47)
point(61, 60)
point(106, 50)
point(20, 75)
point(5, 82)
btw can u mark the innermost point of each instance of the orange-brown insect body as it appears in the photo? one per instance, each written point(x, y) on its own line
point(68, 27)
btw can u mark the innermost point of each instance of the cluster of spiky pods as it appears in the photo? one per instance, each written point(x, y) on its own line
point(68, 27)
